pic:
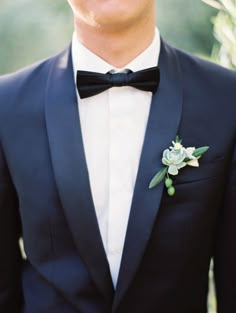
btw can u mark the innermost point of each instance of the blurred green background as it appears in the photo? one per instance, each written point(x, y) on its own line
point(31, 30)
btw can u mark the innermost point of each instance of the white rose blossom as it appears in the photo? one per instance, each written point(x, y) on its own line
point(193, 160)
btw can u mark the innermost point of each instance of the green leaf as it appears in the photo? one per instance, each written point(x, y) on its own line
point(200, 151)
point(177, 139)
point(158, 177)
point(187, 160)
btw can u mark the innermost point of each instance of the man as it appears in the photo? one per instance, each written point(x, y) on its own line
point(76, 164)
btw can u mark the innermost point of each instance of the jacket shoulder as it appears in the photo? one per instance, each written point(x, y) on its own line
point(208, 70)
point(23, 92)
point(14, 84)
point(10, 84)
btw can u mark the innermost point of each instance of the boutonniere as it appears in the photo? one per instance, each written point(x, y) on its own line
point(175, 158)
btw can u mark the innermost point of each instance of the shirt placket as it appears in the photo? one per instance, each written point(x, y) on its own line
point(118, 195)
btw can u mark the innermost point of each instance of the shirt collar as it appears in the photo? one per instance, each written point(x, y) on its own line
point(86, 60)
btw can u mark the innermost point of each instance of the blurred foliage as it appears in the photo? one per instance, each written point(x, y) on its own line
point(186, 24)
point(212, 305)
point(225, 31)
point(31, 30)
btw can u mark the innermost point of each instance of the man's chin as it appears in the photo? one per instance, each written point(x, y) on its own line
point(114, 23)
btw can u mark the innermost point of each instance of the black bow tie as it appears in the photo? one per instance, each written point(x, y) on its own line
point(90, 83)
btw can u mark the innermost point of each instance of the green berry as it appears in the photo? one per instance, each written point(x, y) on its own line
point(168, 182)
point(171, 191)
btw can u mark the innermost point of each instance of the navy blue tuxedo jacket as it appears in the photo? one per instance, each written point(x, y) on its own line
point(45, 197)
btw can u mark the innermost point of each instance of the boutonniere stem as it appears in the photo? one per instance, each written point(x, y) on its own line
point(174, 159)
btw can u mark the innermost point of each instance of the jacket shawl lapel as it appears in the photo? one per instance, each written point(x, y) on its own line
point(71, 173)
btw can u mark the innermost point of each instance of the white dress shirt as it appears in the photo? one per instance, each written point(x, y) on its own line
point(113, 126)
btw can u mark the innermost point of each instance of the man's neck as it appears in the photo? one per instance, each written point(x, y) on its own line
point(117, 48)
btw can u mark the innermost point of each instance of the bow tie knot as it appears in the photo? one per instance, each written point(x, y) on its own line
point(119, 79)
point(91, 83)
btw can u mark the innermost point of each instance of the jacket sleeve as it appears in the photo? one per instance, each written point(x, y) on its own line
point(10, 232)
point(225, 254)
